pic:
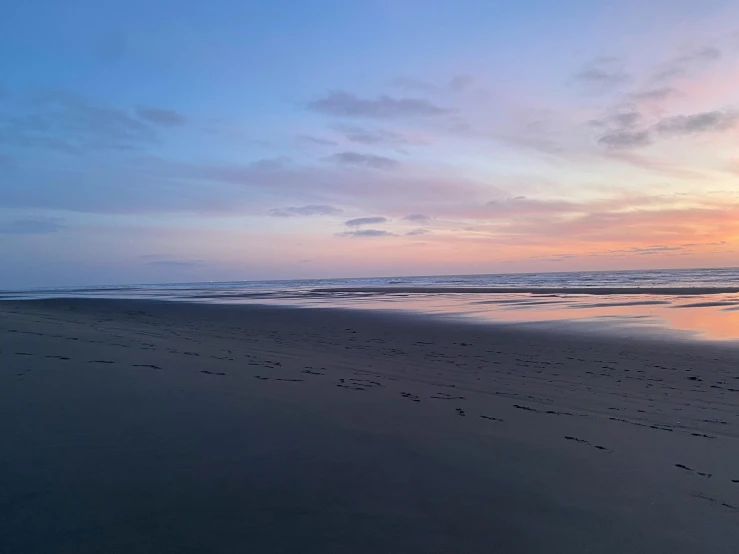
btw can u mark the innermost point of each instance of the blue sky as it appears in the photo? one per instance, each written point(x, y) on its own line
point(178, 141)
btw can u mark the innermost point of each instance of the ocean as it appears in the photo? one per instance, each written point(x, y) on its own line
point(693, 304)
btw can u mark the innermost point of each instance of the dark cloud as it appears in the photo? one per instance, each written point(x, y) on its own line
point(409, 83)
point(344, 104)
point(366, 233)
point(371, 136)
point(624, 138)
point(32, 226)
point(461, 82)
point(310, 139)
point(305, 211)
point(365, 221)
point(415, 232)
point(601, 75)
point(697, 123)
point(627, 119)
point(160, 116)
point(364, 160)
point(416, 217)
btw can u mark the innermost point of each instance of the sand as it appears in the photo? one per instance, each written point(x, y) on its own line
point(153, 427)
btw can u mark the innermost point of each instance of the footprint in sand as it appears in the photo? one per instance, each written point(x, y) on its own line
point(588, 443)
point(410, 396)
point(691, 470)
point(445, 396)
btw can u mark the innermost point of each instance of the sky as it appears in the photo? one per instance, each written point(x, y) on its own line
point(180, 141)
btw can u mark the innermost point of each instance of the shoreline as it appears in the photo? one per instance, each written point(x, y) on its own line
point(163, 424)
point(596, 291)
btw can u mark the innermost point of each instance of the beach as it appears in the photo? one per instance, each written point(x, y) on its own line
point(150, 426)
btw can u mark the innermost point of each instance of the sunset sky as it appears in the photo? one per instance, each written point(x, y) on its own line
point(174, 141)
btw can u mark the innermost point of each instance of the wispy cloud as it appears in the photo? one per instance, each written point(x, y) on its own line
point(32, 226)
point(697, 123)
point(660, 93)
point(625, 138)
point(409, 83)
point(363, 160)
point(311, 139)
point(366, 233)
point(365, 221)
point(344, 104)
point(362, 135)
point(65, 122)
point(684, 63)
point(417, 218)
point(292, 211)
point(176, 264)
point(672, 126)
point(601, 75)
point(160, 116)
point(461, 82)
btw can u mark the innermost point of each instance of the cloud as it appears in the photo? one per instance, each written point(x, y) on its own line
point(409, 83)
point(159, 116)
point(661, 93)
point(343, 104)
point(365, 221)
point(461, 82)
point(627, 119)
point(420, 218)
point(697, 123)
point(364, 160)
point(554, 258)
point(366, 233)
point(415, 232)
point(623, 138)
point(371, 137)
point(176, 264)
point(683, 64)
point(305, 211)
point(649, 250)
point(522, 206)
point(68, 123)
point(310, 139)
point(32, 226)
point(599, 76)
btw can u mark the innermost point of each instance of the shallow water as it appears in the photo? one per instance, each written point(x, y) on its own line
point(691, 304)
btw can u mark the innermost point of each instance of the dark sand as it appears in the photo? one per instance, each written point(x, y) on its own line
point(145, 427)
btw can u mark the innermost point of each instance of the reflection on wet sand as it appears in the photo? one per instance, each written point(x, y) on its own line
point(709, 317)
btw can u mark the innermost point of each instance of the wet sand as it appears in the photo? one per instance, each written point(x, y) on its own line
point(154, 427)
